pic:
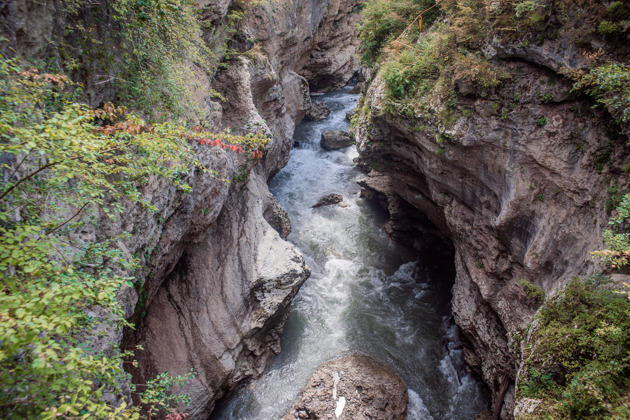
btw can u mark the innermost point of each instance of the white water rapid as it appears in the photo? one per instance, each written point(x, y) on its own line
point(365, 294)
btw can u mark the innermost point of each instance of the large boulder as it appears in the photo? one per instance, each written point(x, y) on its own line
point(336, 139)
point(318, 112)
point(353, 387)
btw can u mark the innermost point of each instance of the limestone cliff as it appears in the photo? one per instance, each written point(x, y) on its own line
point(517, 181)
point(217, 279)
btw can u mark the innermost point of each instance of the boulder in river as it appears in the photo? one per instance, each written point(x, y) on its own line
point(328, 200)
point(353, 387)
point(336, 139)
point(318, 112)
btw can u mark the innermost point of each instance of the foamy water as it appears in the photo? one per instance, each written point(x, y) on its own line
point(365, 295)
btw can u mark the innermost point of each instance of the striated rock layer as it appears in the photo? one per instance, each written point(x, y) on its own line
point(518, 197)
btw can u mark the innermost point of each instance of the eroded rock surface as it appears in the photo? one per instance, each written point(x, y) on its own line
point(216, 277)
point(336, 139)
point(352, 388)
point(520, 197)
point(219, 315)
point(318, 112)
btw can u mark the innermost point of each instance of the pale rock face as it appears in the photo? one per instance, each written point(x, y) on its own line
point(518, 199)
point(221, 309)
point(218, 302)
point(277, 217)
point(213, 10)
point(353, 387)
point(317, 39)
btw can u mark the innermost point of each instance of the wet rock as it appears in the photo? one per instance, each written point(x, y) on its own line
point(278, 218)
point(328, 200)
point(336, 139)
point(318, 112)
point(349, 114)
point(353, 387)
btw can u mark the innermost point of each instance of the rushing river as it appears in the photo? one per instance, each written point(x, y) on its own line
point(365, 295)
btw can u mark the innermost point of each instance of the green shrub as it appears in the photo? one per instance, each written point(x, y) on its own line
point(610, 85)
point(608, 28)
point(146, 50)
point(412, 71)
point(578, 357)
point(382, 21)
point(534, 293)
point(616, 238)
point(616, 10)
point(615, 195)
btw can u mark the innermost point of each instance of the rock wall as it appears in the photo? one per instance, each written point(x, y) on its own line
point(220, 306)
point(519, 197)
point(216, 278)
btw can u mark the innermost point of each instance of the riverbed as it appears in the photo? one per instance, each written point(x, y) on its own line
point(365, 295)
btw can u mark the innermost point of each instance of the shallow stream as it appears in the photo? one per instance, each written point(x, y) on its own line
point(365, 295)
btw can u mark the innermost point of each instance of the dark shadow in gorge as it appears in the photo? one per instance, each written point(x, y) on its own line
point(434, 254)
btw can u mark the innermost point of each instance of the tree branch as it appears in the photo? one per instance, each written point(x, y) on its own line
point(68, 221)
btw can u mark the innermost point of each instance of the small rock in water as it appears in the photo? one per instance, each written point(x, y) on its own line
point(318, 111)
point(336, 139)
point(364, 389)
point(328, 200)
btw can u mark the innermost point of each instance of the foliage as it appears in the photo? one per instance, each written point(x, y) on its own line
point(412, 71)
point(151, 51)
point(577, 359)
point(607, 28)
point(160, 40)
point(534, 292)
point(383, 21)
point(610, 85)
point(64, 167)
point(528, 6)
point(409, 66)
point(421, 70)
point(157, 393)
point(615, 195)
point(616, 238)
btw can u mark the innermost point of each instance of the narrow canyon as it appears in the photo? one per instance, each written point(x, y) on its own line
point(438, 224)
